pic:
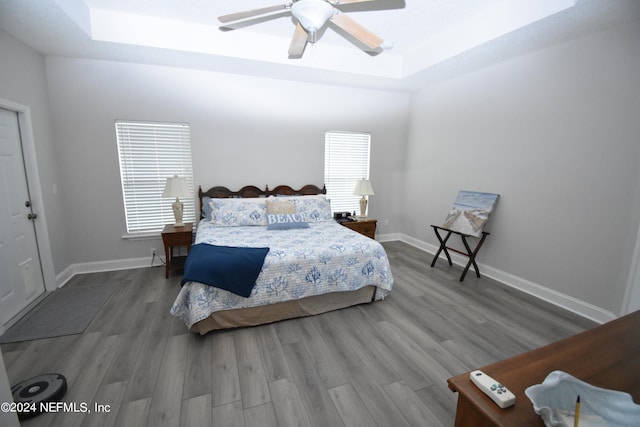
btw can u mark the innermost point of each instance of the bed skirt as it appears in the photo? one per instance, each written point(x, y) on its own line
point(284, 310)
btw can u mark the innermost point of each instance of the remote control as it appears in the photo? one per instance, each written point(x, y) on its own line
point(492, 388)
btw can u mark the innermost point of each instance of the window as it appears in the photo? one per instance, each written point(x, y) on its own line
point(346, 160)
point(150, 153)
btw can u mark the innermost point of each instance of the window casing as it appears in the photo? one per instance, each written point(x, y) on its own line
point(149, 153)
point(346, 160)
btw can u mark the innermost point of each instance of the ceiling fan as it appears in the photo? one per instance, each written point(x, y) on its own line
point(310, 17)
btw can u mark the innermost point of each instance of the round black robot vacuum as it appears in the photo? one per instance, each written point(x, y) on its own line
point(28, 394)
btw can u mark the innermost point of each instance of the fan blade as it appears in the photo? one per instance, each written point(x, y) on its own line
point(356, 30)
point(339, 2)
point(250, 13)
point(299, 41)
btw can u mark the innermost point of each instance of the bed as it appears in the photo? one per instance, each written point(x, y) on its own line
point(312, 264)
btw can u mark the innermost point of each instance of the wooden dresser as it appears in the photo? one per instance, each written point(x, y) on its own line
point(606, 356)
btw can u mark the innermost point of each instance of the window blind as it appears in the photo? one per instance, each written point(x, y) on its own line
point(346, 160)
point(150, 153)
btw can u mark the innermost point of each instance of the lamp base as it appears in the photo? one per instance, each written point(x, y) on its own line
point(177, 212)
point(363, 208)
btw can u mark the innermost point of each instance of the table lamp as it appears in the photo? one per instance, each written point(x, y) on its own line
point(363, 188)
point(176, 187)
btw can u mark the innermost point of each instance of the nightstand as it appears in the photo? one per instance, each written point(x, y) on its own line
point(366, 226)
point(175, 236)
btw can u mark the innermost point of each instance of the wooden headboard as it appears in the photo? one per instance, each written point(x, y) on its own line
point(253, 191)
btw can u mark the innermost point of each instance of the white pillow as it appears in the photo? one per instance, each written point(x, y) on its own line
point(235, 212)
point(313, 208)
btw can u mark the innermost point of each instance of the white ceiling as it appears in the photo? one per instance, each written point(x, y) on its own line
point(424, 34)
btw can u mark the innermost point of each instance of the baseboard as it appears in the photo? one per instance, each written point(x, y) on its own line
point(389, 237)
point(100, 266)
point(566, 302)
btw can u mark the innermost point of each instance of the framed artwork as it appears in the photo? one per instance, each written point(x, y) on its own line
point(470, 212)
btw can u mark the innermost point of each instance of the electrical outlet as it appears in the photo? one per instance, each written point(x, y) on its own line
point(153, 252)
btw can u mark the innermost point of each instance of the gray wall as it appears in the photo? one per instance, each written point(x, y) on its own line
point(244, 130)
point(556, 133)
point(23, 81)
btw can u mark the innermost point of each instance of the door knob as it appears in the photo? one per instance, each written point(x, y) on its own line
point(32, 216)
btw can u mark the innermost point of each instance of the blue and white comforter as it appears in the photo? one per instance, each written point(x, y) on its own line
point(326, 257)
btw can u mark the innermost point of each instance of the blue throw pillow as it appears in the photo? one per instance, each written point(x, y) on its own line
point(285, 221)
point(230, 268)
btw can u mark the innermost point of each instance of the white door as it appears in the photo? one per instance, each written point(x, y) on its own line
point(21, 280)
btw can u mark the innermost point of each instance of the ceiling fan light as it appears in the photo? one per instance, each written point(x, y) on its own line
point(312, 14)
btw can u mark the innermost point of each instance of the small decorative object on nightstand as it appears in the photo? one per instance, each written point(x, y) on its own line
point(366, 227)
point(176, 236)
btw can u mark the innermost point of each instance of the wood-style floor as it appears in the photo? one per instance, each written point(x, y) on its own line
point(384, 363)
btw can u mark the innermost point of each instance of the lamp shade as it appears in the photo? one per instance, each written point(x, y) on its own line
point(176, 187)
point(363, 188)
